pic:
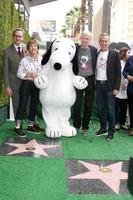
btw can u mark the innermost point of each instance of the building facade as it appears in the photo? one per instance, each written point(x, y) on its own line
point(23, 7)
point(101, 18)
point(114, 17)
point(121, 27)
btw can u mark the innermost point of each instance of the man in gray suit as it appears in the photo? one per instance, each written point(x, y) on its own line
point(12, 57)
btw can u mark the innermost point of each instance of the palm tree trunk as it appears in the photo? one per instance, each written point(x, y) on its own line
point(77, 27)
point(90, 13)
point(83, 11)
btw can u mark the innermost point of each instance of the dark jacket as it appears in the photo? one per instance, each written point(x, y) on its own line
point(93, 51)
point(128, 70)
point(91, 79)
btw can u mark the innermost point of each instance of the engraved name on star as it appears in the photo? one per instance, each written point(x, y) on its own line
point(31, 146)
point(110, 175)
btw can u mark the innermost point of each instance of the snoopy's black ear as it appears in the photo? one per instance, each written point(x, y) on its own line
point(46, 56)
point(75, 63)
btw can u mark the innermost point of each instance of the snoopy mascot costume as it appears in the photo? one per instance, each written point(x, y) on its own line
point(57, 84)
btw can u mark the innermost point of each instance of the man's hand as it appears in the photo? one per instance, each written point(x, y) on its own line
point(9, 91)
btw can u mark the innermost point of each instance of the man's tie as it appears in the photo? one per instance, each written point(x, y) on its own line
point(19, 52)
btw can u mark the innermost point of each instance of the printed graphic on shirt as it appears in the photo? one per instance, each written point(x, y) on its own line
point(102, 63)
point(101, 66)
point(85, 65)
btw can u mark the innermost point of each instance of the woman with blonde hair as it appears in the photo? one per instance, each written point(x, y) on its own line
point(28, 69)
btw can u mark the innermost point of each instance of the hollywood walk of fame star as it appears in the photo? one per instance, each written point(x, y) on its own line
point(31, 146)
point(110, 175)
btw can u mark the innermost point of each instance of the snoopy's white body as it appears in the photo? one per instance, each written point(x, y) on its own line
point(57, 92)
point(64, 96)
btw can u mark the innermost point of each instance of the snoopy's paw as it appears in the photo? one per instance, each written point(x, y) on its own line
point(69, 131)
point(41, 82)
point(53, 133)
point(79, 82)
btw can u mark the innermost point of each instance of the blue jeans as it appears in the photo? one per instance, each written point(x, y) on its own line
point(106, 107)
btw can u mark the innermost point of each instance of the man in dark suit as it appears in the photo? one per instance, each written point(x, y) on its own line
point(108, 78)
point(12, 59)
point(84, 65)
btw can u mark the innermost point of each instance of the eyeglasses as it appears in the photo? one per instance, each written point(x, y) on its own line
point(18, 36)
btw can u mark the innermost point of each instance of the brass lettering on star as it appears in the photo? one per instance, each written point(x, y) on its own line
point(30, 148)
point(105, 170)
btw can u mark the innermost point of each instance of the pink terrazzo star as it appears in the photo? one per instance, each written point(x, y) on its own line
point(31, 146)
point(110, 174)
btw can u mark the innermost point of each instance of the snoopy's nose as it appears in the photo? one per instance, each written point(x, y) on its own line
point(57, 66)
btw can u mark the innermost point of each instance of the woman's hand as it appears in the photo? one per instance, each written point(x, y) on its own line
point(130, 78)
point(34, 75)
point(115, 92)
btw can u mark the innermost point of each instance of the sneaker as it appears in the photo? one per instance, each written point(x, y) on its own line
point(85, 132)
point(31, 129)
point(37, 127)
point(19, 132)
point(101, 132)
point(109, 137)
point(125, 127)
point(117, 127)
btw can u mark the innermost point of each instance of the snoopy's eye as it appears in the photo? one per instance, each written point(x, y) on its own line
point(56, 49)
point(69, 53)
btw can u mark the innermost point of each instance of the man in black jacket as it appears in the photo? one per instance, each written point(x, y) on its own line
point(84, 65)
point(108, 78)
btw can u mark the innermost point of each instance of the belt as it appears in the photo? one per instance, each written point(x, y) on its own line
point(101, 82)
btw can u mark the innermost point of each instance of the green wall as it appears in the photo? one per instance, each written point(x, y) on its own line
point(9, 20)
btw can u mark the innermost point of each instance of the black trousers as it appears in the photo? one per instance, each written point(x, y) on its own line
point(28, 91)
point(84, 99)
point(120, 111)
point(130, 103)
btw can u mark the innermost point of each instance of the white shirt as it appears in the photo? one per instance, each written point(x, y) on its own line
point(29, 65)
point(101, 67)
point(16, 47)
point(124, 82)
